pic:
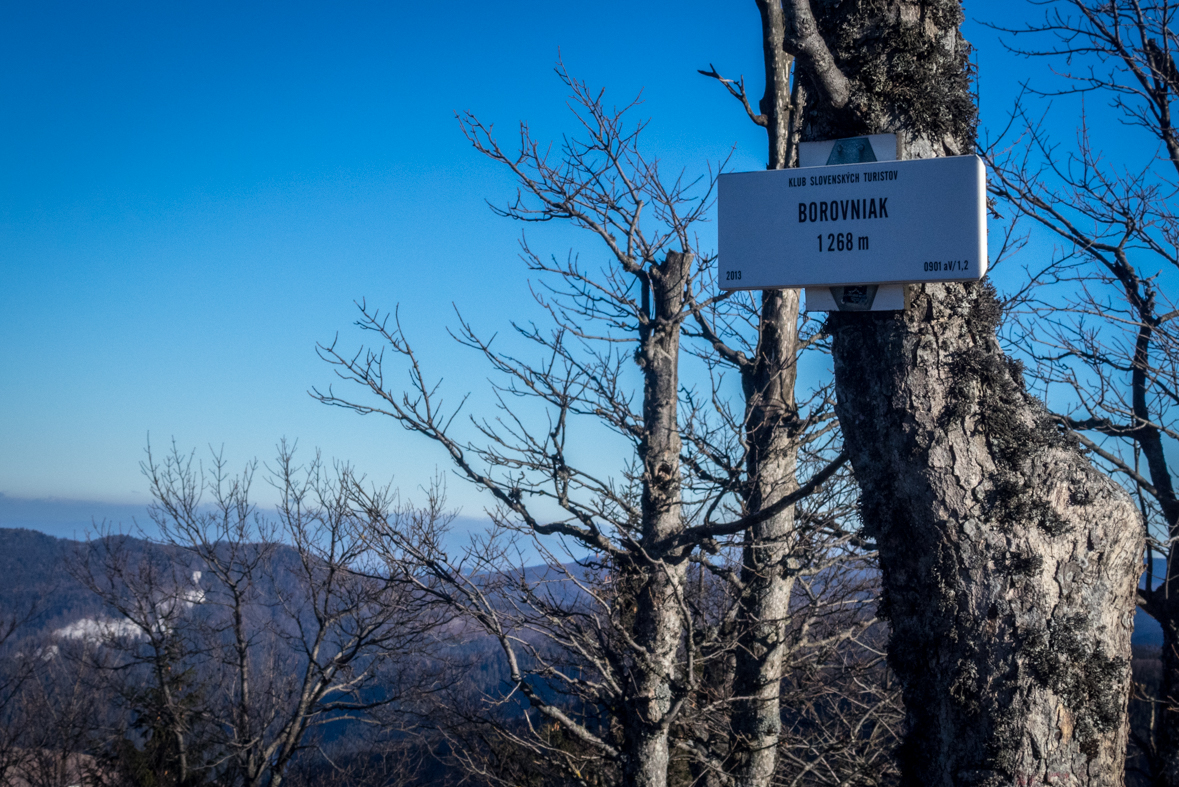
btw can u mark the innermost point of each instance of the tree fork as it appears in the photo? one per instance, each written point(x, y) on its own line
point(770, 421)
point(1009, 564)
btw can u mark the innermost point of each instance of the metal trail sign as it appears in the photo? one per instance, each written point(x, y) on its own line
point(920, 220)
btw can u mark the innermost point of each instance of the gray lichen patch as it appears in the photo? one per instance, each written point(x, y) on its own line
point(1019, 564)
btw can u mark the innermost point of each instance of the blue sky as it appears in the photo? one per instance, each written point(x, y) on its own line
point(192, 195)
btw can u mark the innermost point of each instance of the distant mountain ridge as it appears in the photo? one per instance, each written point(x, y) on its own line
point(35, 575)
point(33, 572)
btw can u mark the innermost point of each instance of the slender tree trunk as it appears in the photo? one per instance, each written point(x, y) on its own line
point(1162, 603)
point(775, 104)
point(1166, 601)
point(659, 611)
point(765, 571)
point(771, 418)
point(175, 720)
point(1009, 564)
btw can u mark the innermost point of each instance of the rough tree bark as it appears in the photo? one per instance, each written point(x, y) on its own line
point(1009, 563)
point(1113, 212)
point(658, 624)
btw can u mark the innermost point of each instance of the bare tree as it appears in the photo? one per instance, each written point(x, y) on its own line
point(841, 705)
point(762, 338)
point(146, 658)
point(775, 429)
point(834, 699)
point(62, 720)
point(1099, 321)
point(606, 186)
point(371, 757)
point(641, 644)
point(284, 628)
point(1010, 633)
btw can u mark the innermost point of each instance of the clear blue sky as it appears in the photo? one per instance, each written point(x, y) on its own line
point(192, 195)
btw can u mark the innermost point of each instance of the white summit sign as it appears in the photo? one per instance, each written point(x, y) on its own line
point(884, 222)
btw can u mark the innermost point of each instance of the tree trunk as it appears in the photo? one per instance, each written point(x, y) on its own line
point(775, 103)
point(658, 622)
point(1009, 564)
point(1161, 604)
point(771, 419)
point(1168, 732)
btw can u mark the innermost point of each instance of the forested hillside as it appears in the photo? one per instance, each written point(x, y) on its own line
point(79, 692)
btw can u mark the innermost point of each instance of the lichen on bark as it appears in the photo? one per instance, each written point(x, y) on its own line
point(1009, 562)
point(909, 71)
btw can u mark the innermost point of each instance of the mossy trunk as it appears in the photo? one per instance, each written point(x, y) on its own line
point(1009, 563)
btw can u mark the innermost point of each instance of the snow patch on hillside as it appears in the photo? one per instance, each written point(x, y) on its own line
point(99, 630)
